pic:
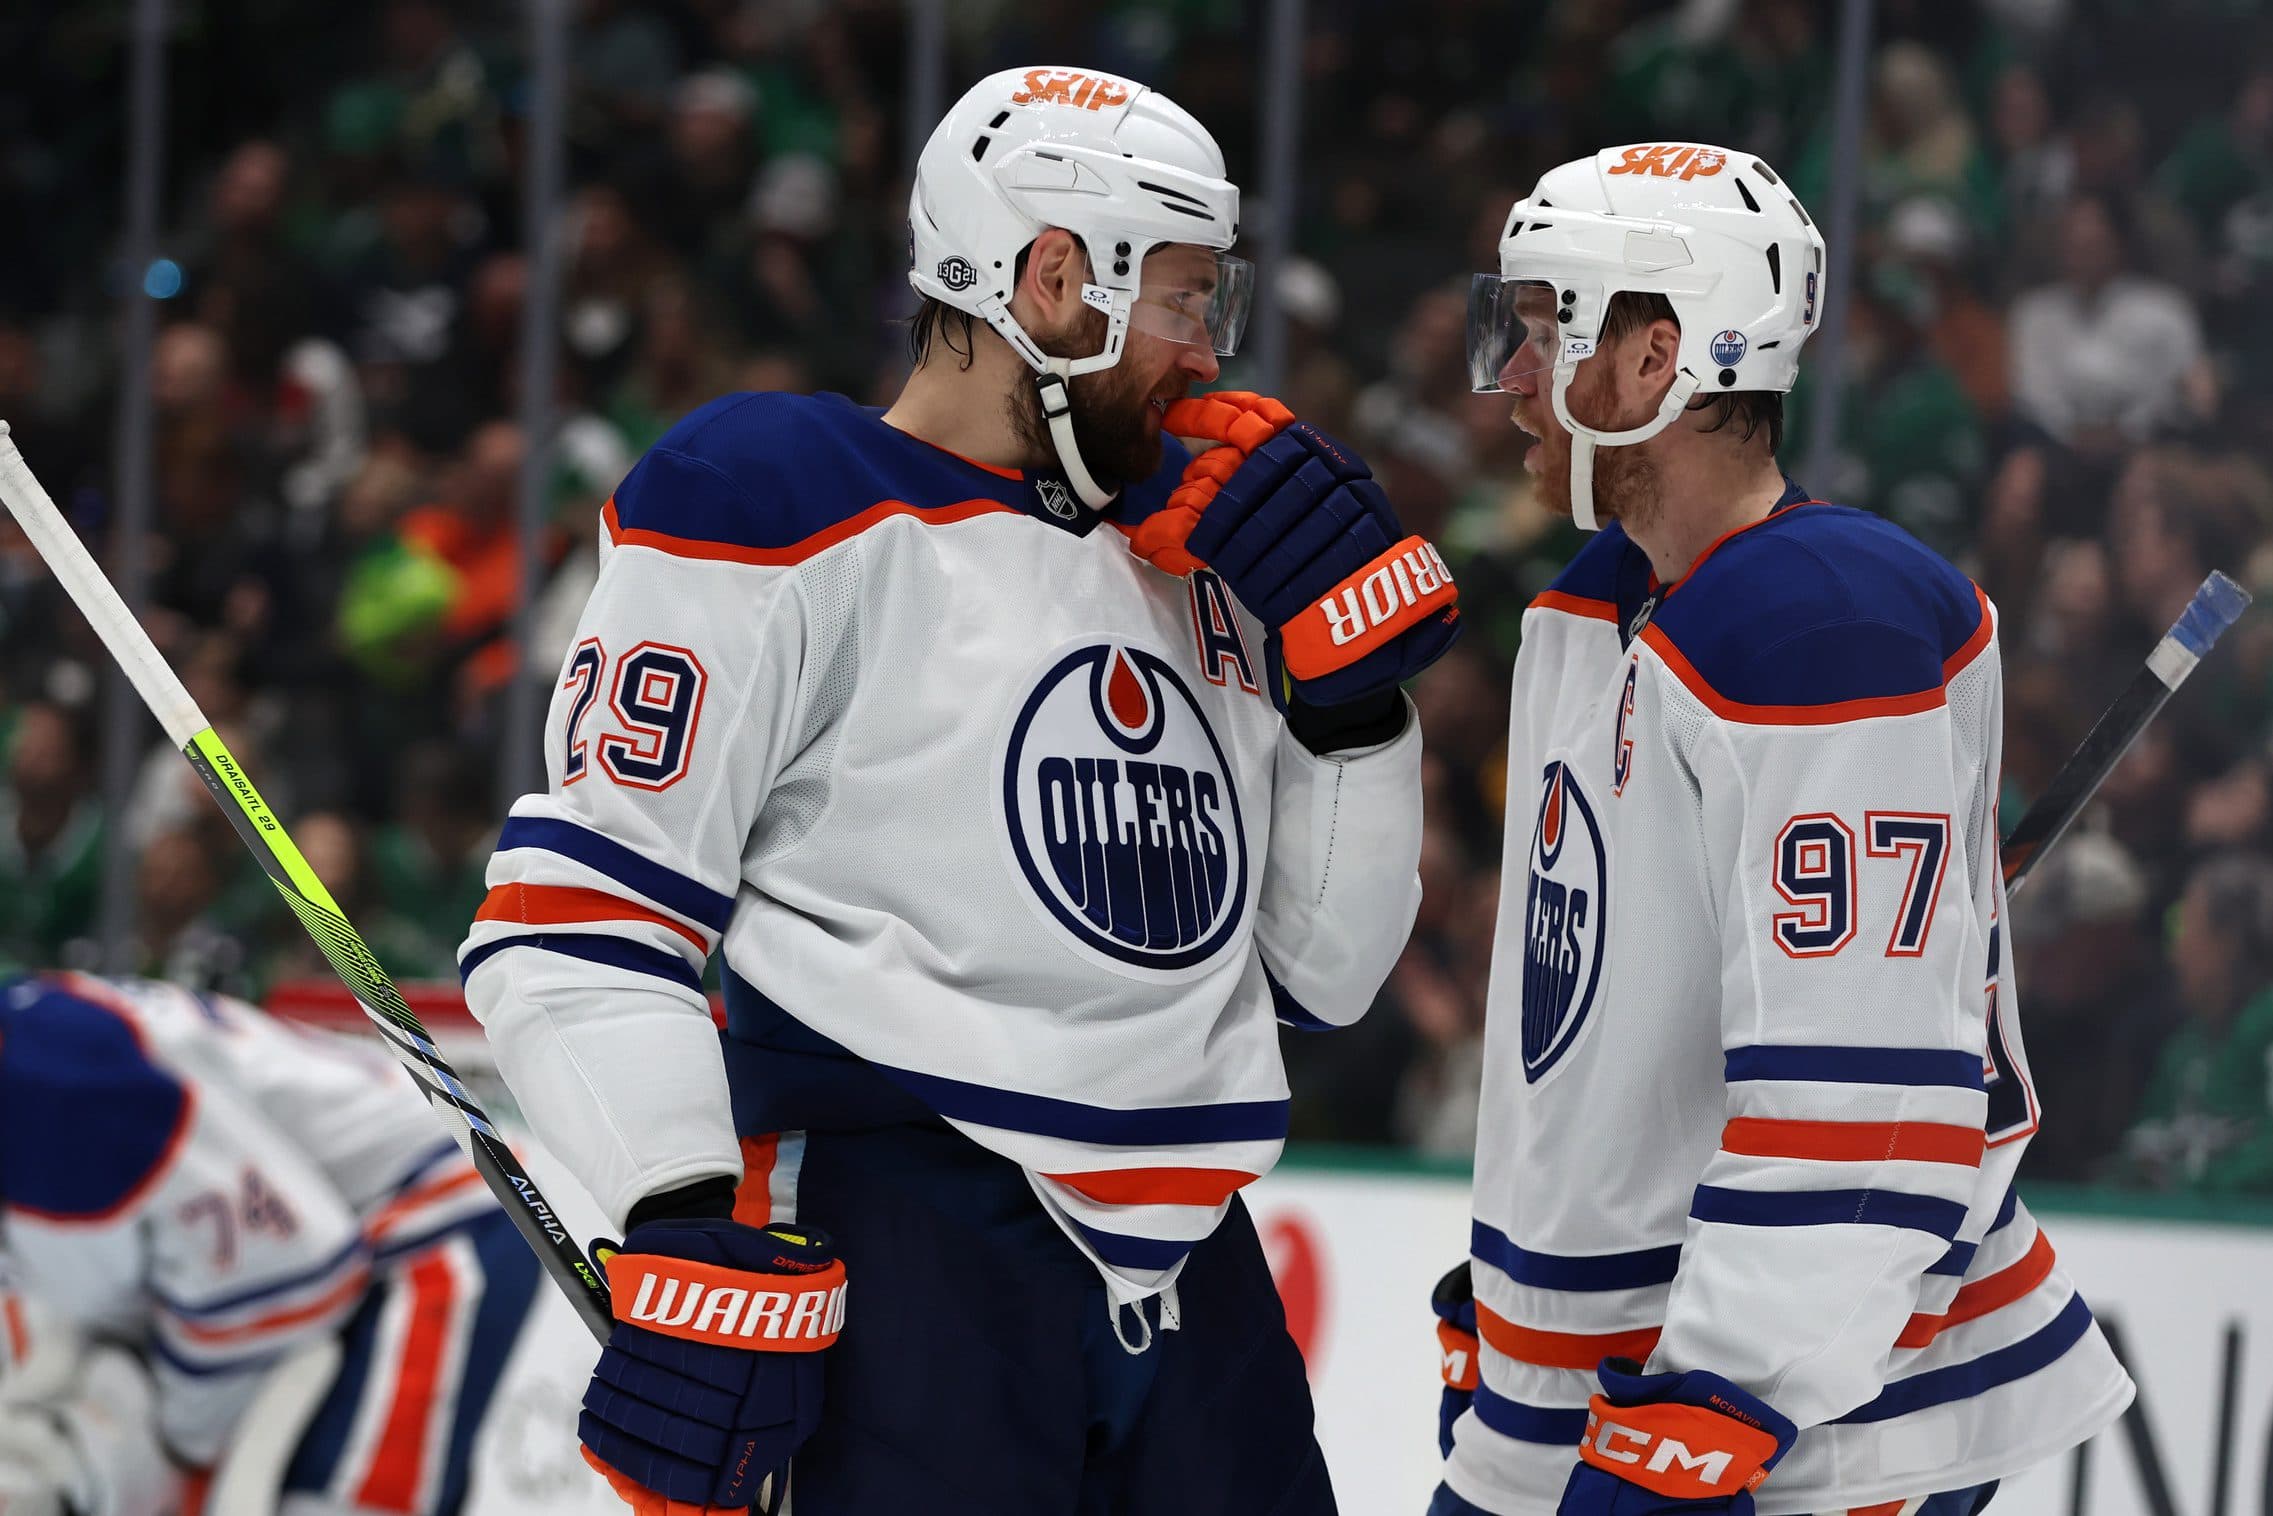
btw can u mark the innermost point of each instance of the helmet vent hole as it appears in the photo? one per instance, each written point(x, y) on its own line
point(1745, 190)
point(1170, 193)
point(1763, 347)
point(996, 123)
point(1801, 212)
point(979, 148)
point(1765, 172)
point(1776, 266)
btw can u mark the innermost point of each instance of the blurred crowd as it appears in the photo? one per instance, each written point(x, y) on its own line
point(2058, 371)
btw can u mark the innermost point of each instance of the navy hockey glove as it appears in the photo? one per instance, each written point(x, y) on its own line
point(1306, 540)
point(712, 1376)
point(1454, 1301)
point(1672, 1445)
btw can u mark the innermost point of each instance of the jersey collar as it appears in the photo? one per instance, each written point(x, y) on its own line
point(1640, 593)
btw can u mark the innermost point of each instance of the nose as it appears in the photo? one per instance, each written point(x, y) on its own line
point(1521, 370)
point(1200, 362)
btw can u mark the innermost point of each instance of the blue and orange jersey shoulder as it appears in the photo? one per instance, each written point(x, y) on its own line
point(774, 479)
point(89, 1122)
point(1820, 614)
point(1608, 570)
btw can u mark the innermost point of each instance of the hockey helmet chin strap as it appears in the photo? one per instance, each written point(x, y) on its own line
point(1585, 439)
point(1057, 409)
point(1053, 380)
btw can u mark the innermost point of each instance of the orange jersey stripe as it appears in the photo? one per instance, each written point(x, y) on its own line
point(391, 1214)
point(557, 905)
point(398, 1462)
point(330, 1300)
point(1574, 605)
point(796, 552)
point(1209, 1187)
point(1955, 663)
point(1562, 1350)
point(753, 1198)
point(1853, 1141)
point(1787, 715)
point(2013, 1282)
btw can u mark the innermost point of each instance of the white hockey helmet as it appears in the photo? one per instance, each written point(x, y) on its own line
point(1123, 168)
point(1717, 232)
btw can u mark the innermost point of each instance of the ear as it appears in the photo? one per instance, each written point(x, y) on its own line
point(1649, 363)
point(1048, 296)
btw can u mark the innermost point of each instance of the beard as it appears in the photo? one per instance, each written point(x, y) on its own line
point(1112, 412)
point(1628, 485)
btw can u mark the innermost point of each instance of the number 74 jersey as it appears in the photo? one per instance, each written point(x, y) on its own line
point(1755, 1088)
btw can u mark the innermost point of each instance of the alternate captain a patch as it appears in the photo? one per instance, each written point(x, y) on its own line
point(1121, 812)
point(1564, 898)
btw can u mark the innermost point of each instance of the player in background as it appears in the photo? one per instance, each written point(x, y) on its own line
point(1745, 1235)
point(201, 1191)
point(1020, 833)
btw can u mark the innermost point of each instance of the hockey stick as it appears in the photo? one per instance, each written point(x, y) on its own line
point(2215, 606)
point(187, 728)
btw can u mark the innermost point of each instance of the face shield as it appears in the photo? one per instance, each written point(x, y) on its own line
point(1195, 296)
point(1514, 328)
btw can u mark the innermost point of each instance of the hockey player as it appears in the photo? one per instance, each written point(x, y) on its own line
point(187, 1179)
point(1019, 835)
point(1745, 1236)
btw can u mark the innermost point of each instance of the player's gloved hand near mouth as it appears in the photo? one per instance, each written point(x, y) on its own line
point(712, 1377)
point(1305, 539)
point(1672, 1445)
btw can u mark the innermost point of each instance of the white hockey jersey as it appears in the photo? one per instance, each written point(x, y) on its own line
point(1755, 1089)
point(185, 1176)
point(980, 809)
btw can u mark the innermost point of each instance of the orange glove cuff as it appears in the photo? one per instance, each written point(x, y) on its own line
point(731, 1308)
point(1683, 1452)
point(1456, 1356)
point(1401, 588)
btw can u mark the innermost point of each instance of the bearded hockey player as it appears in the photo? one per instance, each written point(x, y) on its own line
point(205, 1192)
point(1745, 1235)
point(1019, 834)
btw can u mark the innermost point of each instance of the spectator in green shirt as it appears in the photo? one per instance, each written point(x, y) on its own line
point(51, 839)
point(2207, 1120)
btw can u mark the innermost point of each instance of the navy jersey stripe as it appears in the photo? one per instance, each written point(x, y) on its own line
point(1917, 1213)
point(1573, 1271)
point(667, 887)
point(1124, 1251)
point(285, 1286)
point(1959, 1258)
point(1963, 1381)
point(611, 951)
point(1048, 1116)
point(1851, 1065)
point(196, 1368)
point(1552, 1425)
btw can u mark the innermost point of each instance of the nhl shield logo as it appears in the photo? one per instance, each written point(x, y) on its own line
point(1122, 813)
point(1563, 910)
point(1056, 497)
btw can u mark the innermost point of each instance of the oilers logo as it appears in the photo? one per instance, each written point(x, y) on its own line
point(1563, 910)
point(1121, 810)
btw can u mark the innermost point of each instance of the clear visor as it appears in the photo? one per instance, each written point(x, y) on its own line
point(1198, 301)
point(1513, 329)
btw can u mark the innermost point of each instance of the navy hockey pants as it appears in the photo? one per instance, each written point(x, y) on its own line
point(979, 1373)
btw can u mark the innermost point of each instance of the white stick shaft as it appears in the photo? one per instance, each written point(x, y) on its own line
point(90, 589)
